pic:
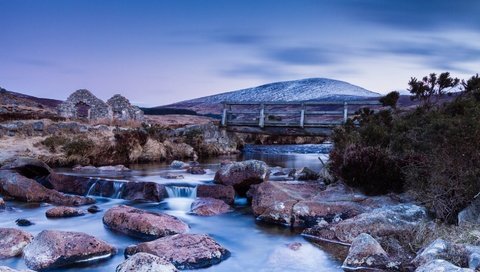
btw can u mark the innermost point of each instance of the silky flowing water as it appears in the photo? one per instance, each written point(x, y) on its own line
point(254, 246)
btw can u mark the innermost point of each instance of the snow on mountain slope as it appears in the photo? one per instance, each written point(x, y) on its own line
point(297, 90)
point(286, 91)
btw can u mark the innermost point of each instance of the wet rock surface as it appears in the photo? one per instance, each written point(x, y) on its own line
point(144, 262)
point(185, 251)
point(52, 249)
point(23, 222)
point(2, 203)
point(196, 170)
point(207, 206)
point(12, 242)
point(366, 253)
point(143, 191)
point(241, 175)
point(441, 266)
point(24, 189)
point(222, 192)
point(142, 224)
point(8, 269)
point(179, 165)
point(63, 211)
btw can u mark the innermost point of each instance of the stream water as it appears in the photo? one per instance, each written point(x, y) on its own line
point(254, 246)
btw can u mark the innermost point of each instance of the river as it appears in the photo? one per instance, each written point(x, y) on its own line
point(254, 246)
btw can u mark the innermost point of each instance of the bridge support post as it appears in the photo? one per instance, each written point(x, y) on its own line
point(302, 116)
point(224, 115)
point(345, 112)
point(261, 120)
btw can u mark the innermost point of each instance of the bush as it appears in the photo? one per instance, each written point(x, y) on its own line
point(431, 151)
point(80, 146)
point(369, 168)
point(390, 100)
point(54, 142)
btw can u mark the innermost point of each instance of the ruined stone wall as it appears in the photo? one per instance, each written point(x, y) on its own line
point(123, 110)
point(98, 108)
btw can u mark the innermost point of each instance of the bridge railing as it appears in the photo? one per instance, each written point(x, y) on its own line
point(291, 114)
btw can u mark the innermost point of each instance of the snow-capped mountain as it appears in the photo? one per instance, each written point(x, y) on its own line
point(287, 91)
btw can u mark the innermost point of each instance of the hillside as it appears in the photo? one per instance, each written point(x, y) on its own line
point(310, 89)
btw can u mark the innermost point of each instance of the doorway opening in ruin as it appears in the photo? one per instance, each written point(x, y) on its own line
point(82, 110)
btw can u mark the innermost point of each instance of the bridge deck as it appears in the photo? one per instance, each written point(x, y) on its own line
point(290, 118)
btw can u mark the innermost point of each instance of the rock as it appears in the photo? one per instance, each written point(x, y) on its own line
point(391, 220)
point(38, 126)
point(51, 249)
point(222, 192)
point(307, 174)
point(144, 191)
point(142, 224)
point(108, 168)
point(114, 168)
point(94, 209)
point(441, 266)
point(173, 176)
point(241, 175)
point(458, 254)
point(8, 269)
point(144, 262)
point(22, 222)
point(471, 214)
point(24, 189)
point(273, 201)
point(70, 184)
point(196, 170)
point(309, 213)
point(179, 165)
point(185, 251)
point(209, 206)
point(2, 203)
point(63, 211)
point(366, 253)
point(13, 241)
point(28, 167)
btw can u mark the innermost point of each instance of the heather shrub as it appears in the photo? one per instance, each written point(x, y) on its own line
point(432, 151)
point(78, 146)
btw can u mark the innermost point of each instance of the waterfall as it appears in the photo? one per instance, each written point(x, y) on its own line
point(117, 189)
point(180, 197)
point(181, 191)
point(101, 187)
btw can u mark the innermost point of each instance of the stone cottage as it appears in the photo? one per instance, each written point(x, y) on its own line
point(83, 104)
point(123, 110)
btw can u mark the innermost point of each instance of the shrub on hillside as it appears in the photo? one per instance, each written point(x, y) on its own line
point(370, 168)
point(78, 147)
point(432, 151)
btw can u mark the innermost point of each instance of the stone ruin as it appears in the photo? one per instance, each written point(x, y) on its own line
point(83, 104)
point(123, 110)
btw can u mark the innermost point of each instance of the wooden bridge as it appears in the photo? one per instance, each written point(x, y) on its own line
point(290, 118)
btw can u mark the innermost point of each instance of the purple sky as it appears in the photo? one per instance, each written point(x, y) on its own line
point(158, 52)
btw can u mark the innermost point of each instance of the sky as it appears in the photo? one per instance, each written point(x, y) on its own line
point(157, 52)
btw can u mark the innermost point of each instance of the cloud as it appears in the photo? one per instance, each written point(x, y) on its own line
point(413, 14)
point(254, 70)
point(438, 54)
point(303, 56)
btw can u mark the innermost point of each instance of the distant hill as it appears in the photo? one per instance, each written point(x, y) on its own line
point(311, 89)
point(12, 98)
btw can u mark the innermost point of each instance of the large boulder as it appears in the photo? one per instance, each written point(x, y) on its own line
point(273, 201)
point(441, 266)
point(241, 175)
point(179, 165)
point(144, 191)
point(12, 242)
point(142, 224)
point(458, 254)
point(185, 251)
point(207, 206)
point(366, 253)
point(63, 211)
point(471, 214)
point(52, 249)
point(69, 184)
point(21, 188)
point(222, 192)
point(28, 167)
point(396, 221)
point(144, 262)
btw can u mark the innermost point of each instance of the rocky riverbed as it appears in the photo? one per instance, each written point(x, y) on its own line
point(221, 216)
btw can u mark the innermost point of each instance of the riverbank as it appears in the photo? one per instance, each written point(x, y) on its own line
point(159, 138)
point(386, 233)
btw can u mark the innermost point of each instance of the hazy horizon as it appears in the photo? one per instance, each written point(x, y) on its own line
point(160, 52)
